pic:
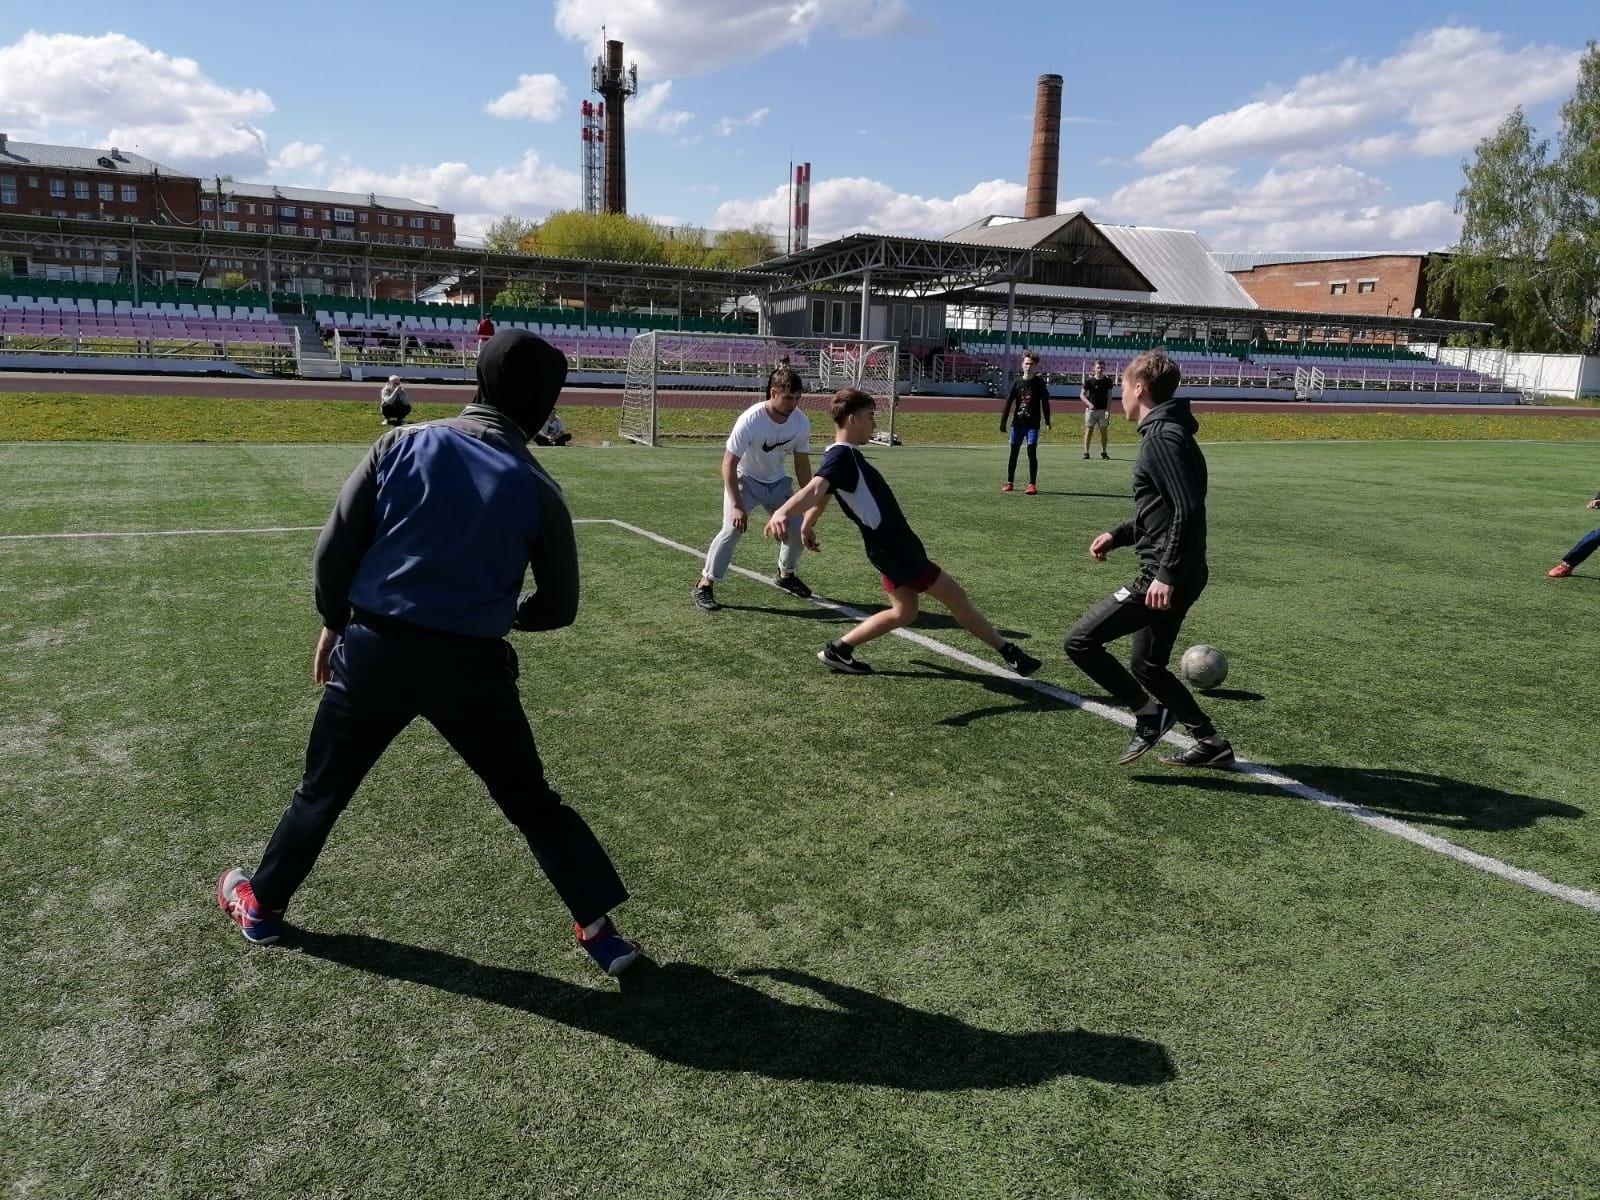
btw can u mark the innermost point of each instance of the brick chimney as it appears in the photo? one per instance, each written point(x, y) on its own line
point(1044, 161)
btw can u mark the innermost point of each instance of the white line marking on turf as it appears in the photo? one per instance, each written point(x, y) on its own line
point(144, 533)
point(1266, 775)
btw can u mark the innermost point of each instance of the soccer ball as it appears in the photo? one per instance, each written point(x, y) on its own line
point(1205, 667)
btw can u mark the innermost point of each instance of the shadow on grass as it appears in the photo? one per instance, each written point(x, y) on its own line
point(1415, 797)
point(810, 612)
point(1231, 694)
point(1020, 697)
point(683, 1013)
point(1088, 495)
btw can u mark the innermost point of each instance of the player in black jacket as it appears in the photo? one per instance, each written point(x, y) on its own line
point(1169, 531)
point(1029, 401)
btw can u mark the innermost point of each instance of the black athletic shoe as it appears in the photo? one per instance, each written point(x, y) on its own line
point(1019, 660)
point(704, 598)
point(1103, 454)
point(792, 584)
point(1202, 754)
point(1147, 732)
point(1086, 455)
point(841, 658)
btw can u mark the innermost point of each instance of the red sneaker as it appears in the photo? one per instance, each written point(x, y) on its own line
point(237, 898)
point(1008, 488)
point(1030, 490)
point(1560, 571)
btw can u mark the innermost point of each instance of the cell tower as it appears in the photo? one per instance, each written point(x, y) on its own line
point(594, 155)
point(614, 85)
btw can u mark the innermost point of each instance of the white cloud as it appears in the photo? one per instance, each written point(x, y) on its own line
point(305, 157)
point(854, 205)
point(694, 37)
point(530, 188)
point(1314, 208)
point(535, 98)
point(648, 110)
point(727, 125)
point(123, 93)
point(1443, 91)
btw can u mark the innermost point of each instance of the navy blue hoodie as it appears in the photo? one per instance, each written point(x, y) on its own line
point(440, 523)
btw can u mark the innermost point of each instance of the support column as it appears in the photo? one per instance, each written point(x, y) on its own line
point(866, 302)
point(1011, 320)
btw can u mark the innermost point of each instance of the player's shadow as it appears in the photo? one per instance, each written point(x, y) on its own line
point(806, 612)
point(827, 1033)
point(1019, 696)
point(1415, 797)
point(1087, 495)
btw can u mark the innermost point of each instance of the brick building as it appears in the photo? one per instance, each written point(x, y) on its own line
point(313, 212)
point(1343, 284)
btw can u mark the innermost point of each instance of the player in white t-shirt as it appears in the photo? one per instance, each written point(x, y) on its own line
point(753, 476)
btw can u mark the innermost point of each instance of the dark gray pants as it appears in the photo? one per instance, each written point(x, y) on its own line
point(385, 674)
point(1154, 632)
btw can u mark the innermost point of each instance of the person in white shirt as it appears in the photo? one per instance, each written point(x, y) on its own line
point(753, 476)
point(554, 433)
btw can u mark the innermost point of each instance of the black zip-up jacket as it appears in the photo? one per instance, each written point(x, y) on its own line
point(1169, 499)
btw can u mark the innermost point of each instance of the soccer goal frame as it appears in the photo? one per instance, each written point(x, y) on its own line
point(691, 387)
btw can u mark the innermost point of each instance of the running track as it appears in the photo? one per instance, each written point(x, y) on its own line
point(366, 393)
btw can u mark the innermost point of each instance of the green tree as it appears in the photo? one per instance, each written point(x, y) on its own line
point(508, 234)
point(521, 293)
point(1529, 255)
point(607, 237)
point(736, 248)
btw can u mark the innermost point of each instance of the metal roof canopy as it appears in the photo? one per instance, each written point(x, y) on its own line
point(1057, 307)
point(187, 241)
point(919, 266)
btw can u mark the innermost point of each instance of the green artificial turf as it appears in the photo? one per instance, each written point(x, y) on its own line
point(912, 934)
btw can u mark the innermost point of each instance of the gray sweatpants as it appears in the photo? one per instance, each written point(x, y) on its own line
point(755, 495)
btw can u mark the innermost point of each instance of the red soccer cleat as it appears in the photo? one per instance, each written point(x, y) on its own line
point(1030, 490)
point(1560, 571)
point(1007, 488)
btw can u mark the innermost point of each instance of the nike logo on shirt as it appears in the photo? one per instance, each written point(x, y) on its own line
point(769, 448)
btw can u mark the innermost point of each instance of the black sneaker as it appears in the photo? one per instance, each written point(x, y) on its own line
point(1086, 455)
point(704, 598)
point(1147, 732)
point(841, 658)
point(1202, 754)
point(1104, 455)
point(1019, 660)
point(792, 584)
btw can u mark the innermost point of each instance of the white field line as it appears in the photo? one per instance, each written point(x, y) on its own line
point(147, 533)
point(1266, 775)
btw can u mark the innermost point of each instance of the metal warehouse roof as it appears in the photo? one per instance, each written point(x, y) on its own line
point(23, 155)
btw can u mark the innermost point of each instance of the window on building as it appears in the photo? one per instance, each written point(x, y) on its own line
point(365, 236)
point(344, 235)
point(105, 216)
point(344, 214)
point(249, 208)
point(306, 214)
point(231, 226)
point(819, 316)
point(836, 317)
point(110, 255)
point(287, 229)
point(918, 315)
point(362, 219)
point(897, 321)
point(416, 222)
point(58, 187)
point(1367, 286)
point(207, 204)
point(80, 189)
point(434, 223)
point(33, 181)
point(383, 218)
point(130, 193)
point(326, 216)
point(107, 191)
point(87, 252)
point(59, 213)
point(230, 206)
point(208, 223)
point(1338, 289)
point(8, 189)
point(418, 240)
point(286, 210)
point(130, 219)
point(249, 226)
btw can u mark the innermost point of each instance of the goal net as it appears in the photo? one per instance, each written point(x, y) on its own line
point(687, 387)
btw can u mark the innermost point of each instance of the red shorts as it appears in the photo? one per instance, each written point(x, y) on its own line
point(919, 583)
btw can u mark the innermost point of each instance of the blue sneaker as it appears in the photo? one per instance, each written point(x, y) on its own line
point(611, 952)
point(237, 898)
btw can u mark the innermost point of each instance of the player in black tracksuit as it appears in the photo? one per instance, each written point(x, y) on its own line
point(417, 577)
point(1026, 406)
point(1168, 530)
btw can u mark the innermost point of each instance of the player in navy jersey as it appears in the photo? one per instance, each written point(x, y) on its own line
point(1026, 406)
point(892, 547)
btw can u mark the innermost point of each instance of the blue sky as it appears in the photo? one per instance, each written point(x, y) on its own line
point(1281, 127)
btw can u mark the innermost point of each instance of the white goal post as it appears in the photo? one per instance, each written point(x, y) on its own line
point(692, 386)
